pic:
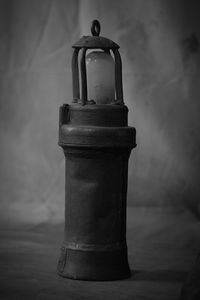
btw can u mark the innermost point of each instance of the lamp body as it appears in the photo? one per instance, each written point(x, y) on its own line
point(97, 142)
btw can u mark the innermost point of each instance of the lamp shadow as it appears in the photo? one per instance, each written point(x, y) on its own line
point(158, 275)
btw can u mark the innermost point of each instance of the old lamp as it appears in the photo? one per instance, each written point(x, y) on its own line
point(97, 142)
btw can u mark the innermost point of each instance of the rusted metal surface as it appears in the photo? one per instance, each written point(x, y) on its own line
point(75, 76)
point(83, 77)
point(95, 28)
point(94, 246)
point(95, 42)
point(118, 77)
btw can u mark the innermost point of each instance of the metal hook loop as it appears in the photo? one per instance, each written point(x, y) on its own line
point(95, 28)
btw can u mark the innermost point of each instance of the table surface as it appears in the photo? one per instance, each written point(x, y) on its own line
point(162, 245)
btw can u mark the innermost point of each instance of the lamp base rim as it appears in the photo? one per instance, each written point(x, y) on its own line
point(94, 265)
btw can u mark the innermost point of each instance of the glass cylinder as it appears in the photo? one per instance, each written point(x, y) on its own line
point(100, 77)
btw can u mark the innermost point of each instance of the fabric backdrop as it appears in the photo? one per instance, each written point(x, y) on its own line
point(159, 43)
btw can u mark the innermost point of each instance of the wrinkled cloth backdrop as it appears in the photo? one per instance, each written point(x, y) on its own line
point(159, 42)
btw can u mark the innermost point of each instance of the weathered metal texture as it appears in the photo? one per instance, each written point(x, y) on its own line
point(94, 42)
point(97, 143)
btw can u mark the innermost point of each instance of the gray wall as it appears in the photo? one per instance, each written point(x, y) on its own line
point(159, 42)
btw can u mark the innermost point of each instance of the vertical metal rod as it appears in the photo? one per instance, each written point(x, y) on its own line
point(75, 75)
point(118, 76)
point(83, 77)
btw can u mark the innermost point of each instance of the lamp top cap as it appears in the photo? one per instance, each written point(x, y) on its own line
point(95, 41)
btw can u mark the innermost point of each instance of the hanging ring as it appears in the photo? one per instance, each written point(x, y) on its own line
point(95, 28)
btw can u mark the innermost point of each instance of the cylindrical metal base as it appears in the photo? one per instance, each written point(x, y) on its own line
point(96, 157)
point(93, 265)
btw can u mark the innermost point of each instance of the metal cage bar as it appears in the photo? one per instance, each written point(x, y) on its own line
point(75, 75)
point(83, 77)
point(118, 76)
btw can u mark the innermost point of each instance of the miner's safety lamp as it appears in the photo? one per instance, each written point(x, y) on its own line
point(97, 142)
